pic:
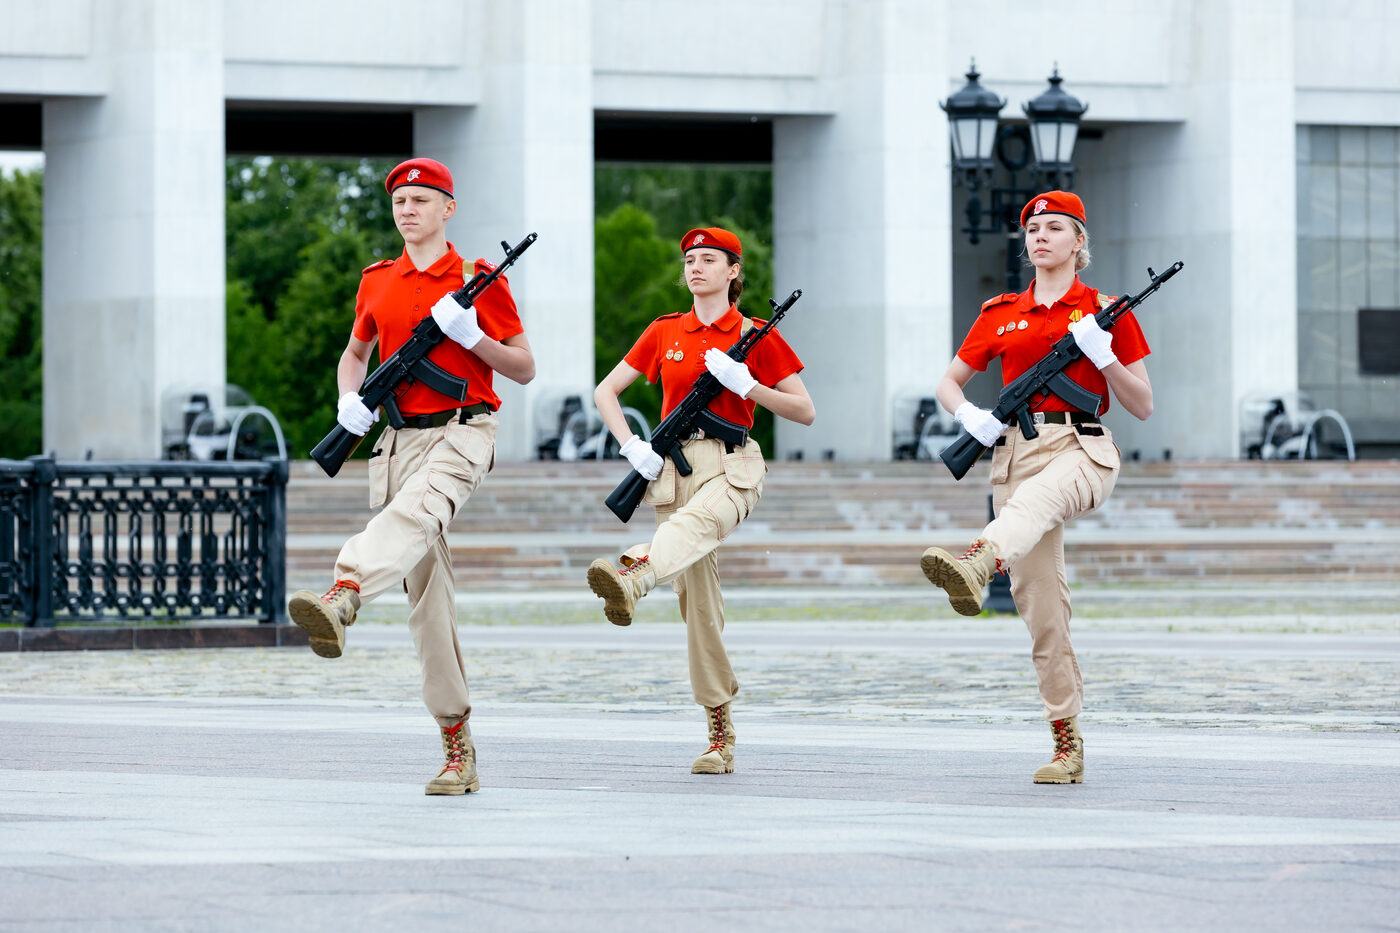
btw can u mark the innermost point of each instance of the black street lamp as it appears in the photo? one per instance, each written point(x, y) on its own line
point(1054, 121)
point(979, 145)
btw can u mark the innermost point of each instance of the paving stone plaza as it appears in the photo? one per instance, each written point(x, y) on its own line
point(1242, 774)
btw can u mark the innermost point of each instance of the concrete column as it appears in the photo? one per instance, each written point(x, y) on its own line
point(523, 162)
point(860, 206)
point(1218, 192)
point(133, 230)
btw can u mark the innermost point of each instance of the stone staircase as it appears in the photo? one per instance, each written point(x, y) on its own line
point(537, 525)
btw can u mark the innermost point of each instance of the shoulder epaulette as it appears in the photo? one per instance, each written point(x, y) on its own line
point(999, 300)
point(668, 317)
point(470, 269)
point(1106, 300)
point(377, 265)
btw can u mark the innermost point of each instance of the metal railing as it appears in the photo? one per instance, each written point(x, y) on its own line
point(86, 542)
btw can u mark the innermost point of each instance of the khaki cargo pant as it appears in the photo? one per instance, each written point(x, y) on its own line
point(426, 475)
point(693, 515)
point(1037, 486)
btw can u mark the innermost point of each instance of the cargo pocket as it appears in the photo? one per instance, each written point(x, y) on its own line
point(729, 506)
point(442, 498)
point(744, 468)
point(475, 442)
point(379, 469)
point(1101, 449)
point(1001, 459)
point(661, 491)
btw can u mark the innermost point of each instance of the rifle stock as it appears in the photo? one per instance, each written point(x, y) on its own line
point(962, 454)
point(335, 448)
point(1013, 404)
point(409, 363)
point(623, 500)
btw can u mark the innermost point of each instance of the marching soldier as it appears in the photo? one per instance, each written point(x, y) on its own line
point(427, 470)
point(695, 513)
point(1070, 469)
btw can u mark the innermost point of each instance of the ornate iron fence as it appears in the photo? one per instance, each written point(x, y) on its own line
point(109, 542)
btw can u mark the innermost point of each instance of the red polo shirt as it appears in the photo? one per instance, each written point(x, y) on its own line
point(1021, 332)
point(394, 296)
point(672, 350)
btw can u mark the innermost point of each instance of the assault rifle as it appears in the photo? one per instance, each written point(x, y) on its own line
point(410, 363)
point(693, 413)
point(1047, 376)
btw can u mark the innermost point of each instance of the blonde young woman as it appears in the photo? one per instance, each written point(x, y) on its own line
point(695, 513)
point(1070, 469)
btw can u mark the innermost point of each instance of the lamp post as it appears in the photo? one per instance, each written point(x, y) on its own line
point(1044, 144)
point(979, 146)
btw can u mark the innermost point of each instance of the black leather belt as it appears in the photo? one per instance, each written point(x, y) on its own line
point(1084, 423)
point(438, 419)
point(1064, 417)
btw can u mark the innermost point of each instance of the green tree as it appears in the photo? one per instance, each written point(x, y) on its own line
point(636, 280)
point(298, 233)
point(21, 314)
point(276, 208)
point(684, 196)
point(314, 316)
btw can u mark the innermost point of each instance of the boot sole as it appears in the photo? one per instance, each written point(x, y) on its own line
point(941, 568)
point(700, 766)
point(609, 588)
point(1078, 779)
point(455, 790)
point(311, 617)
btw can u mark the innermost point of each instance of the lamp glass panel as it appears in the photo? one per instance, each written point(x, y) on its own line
point(1044, 135)
point(964, 133)
point(1068, 136)
point(986, 137)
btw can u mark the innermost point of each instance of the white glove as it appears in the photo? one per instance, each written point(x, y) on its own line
point(457, 322)
point(353, 415)
point(979, 422)
point(644, 460)
point(732, 374)
point(1094, 342)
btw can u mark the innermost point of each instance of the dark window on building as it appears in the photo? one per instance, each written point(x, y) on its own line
point(1378, 341)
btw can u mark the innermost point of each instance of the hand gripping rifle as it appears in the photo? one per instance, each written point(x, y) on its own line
point(693, 412)
point(410, 363)
point(1047, 376)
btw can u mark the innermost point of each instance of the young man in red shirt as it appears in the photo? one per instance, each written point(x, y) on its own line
point(423, 473)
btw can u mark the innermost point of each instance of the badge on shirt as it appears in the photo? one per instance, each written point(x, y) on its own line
point(1075, 316)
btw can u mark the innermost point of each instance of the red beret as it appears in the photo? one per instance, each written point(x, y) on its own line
point(426, 172)
point(1054, 202)
point(714, 238)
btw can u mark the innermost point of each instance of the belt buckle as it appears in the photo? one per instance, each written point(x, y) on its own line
point(1038, 417)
